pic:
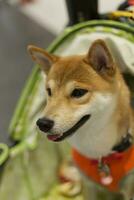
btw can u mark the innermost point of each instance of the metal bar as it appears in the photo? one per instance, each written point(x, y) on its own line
point(82, 10)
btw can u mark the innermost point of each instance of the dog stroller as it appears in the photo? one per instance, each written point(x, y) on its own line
point(29, 168)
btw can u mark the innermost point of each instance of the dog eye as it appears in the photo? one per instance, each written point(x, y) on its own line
point(77, 93)
point(49, 92)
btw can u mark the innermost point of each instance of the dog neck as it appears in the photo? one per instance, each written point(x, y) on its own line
point(95, 143)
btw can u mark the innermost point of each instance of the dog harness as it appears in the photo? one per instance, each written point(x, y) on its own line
point(110, 170)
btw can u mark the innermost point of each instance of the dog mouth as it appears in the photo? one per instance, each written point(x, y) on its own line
point(71, 131)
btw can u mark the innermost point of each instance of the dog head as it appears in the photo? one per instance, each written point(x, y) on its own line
point(79, 88)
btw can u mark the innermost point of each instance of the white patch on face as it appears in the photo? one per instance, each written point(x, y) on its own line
point(98, 135)
point(62, 119)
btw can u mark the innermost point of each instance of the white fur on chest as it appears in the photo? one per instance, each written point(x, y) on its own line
point(98, 135)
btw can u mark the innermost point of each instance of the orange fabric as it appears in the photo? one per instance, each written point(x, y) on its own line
point(120, 164)
point(131, 2)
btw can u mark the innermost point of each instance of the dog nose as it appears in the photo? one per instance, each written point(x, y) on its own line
point(45, 124)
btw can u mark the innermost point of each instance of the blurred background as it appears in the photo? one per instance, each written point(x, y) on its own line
point(24, 22)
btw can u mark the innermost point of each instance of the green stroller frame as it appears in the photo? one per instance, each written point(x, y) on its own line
point(29, 168)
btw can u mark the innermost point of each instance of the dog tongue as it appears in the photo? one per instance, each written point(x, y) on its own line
point(52, 137)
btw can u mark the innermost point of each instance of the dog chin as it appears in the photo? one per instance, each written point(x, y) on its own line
point(70, 132)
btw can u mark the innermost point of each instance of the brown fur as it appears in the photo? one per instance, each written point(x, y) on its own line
point(77, 68)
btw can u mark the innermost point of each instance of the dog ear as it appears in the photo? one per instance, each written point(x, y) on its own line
point(100, 58)
point(42, 57)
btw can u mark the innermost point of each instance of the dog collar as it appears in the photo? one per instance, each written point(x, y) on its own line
point(125, 143)
point(108, 171)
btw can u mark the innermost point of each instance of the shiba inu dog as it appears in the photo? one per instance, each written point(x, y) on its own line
point(88, 103)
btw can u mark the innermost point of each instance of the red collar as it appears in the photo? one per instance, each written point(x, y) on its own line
point(113, 169)
point(131, 2)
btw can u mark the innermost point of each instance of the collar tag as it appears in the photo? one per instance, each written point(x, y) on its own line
point(105, 173)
